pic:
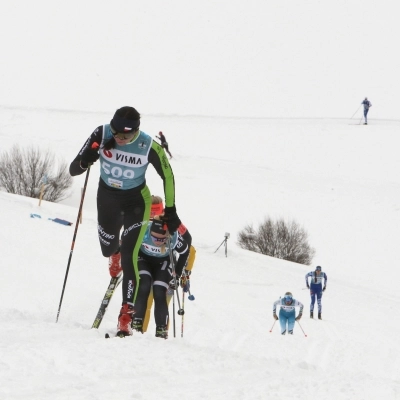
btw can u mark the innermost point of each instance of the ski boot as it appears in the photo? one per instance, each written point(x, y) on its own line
point(125, 320)
point(311, 314)
point(114, 265)
point(319, 316)
point(162, 332)
point(137, 324)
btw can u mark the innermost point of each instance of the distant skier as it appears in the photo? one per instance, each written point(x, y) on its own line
point(287, 313)
point(164, 143)
point(316, 289)
point(367, 104)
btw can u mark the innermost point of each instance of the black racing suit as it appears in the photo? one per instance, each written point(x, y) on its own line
point(156, 273)
point(126, 208)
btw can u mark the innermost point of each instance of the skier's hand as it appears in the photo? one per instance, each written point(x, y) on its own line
point(174, 283)
point(276, 317)
point(308, 286)
point(185, 283)
point(298, 317)
point(171, 219)
point(90, 155)
point(324, 289)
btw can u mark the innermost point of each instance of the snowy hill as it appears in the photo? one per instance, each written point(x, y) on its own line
point(339, 180)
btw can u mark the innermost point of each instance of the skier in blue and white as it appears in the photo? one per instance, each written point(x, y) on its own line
point(316, 289)
point(367, 104)
point(287, 313)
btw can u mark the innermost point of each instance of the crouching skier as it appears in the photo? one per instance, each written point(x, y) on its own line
point(287, 313)
point(155, 271)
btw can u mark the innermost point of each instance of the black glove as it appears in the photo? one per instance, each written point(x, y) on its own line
point(90, 155)
point(324, 289)
point(174, 283)
point(275, 316)
point(298, 317)
point(171, 219)
point(308, 286)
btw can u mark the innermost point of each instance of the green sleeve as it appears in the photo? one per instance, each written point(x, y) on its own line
point(159, 160)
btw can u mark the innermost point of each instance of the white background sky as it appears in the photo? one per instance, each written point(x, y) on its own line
point(337, 178)
point(256, 58)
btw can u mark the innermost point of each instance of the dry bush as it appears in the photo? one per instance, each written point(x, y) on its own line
point(23, 171)
point(280, 239)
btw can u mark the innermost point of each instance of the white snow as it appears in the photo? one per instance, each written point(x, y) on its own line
point(339, 180)
point(255, 99)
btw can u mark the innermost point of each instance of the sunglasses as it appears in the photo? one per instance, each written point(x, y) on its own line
point(318, 269)
point(122, 135)
point(159, 240)
point(288, 299)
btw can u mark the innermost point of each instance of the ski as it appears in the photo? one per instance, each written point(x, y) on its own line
point(114, 282)
point(117, 335)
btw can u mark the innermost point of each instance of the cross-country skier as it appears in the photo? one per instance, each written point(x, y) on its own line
point(156, 272)
point(157, 209)
point(367, 104)
point(287, 312)
point(123, 198)
point(316, 289)
point(164, 143)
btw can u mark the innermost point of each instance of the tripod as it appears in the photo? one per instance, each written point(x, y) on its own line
point(225, 242)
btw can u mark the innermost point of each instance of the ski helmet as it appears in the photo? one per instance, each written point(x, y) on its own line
point(288, 297)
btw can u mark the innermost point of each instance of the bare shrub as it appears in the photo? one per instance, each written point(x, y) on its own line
point(279, 239)
point(24, 171)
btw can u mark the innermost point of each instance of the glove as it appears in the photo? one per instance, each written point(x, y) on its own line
point(276, 317)
point(185, 283)
point(172, 283)
point(308, 286)
point(324, 289)
point(171, 219)
point(90, 155)
point(298, 317)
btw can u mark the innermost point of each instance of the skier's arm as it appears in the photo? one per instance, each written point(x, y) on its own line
point(159, 160)
point(306, 277)
point(275, 305)
point(75, 167)
point(182, 249)
point(299, 304)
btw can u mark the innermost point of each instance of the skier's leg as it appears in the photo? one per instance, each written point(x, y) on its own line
point(312, 294)
point(283, 321)
point(109, 221)
point(319, 301)
point(291, 320)
point(136, 209)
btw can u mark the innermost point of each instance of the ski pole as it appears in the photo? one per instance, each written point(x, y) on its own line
point(272, 327)
point(73, 241)
point(190, 297)
point(176, 283)
point(94, 146)
point(173, 313)
point(356, 111)
point(183, 315)
point(301, 328)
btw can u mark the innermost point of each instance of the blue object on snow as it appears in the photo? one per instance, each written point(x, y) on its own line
point(61, 221)
point(35, 216)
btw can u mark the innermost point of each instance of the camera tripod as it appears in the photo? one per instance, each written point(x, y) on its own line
point(224, 242)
